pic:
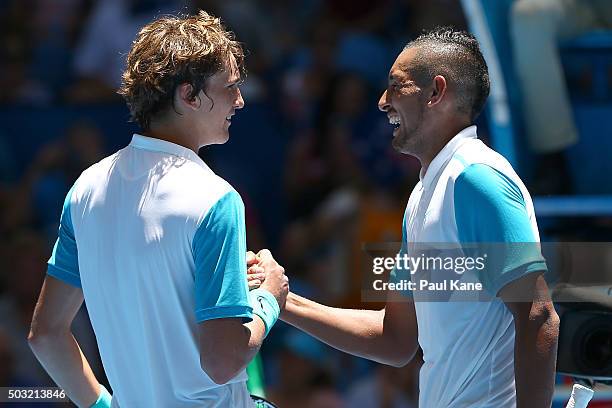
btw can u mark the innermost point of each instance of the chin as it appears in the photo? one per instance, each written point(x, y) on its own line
point(408, 140)
point(221, 139)
point(403, 145)
point(399, 143)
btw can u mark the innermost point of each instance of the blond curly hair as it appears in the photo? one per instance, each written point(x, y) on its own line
point(172, 51)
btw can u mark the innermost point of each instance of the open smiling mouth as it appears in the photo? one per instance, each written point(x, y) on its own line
point(395, 121)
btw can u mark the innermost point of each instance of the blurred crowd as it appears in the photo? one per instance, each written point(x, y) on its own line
point(319, 178)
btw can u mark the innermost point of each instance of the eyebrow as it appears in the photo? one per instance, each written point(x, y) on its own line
point(234, 72)
point(394, 78)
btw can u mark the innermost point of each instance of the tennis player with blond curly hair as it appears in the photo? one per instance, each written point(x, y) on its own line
point(155, 244)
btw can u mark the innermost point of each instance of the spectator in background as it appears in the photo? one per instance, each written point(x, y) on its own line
point(340, 190)
point(10, 378)
point(306, 73)
point(387, 387)
point(322, 180)
point(27, 253)
point(259, 22)
point(362, 47)
point(100, 55)
point(537, 27)
point(321, 160)
point(15, 37)
point(37, 38)
point(7, 362)
point(305, 378)
point(56, 25)
point(426, 15)
point(8, 164)
point(56, 167)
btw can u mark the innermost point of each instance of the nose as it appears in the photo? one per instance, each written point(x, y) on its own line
point(239, 103)
point(383, 102)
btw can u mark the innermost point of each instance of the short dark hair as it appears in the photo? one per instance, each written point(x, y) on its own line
point(171, 51)
point(456, 55)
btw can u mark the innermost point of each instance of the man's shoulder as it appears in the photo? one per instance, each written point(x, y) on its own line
point(481, 179)
point(476, 158)
point(93, 173)
point(195, 186)
point(199, 180)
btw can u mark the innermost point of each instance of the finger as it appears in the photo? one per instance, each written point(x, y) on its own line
point(259, 276)
point(264, 254)
point(254, 284)
point(255, 269)
point(251, 258)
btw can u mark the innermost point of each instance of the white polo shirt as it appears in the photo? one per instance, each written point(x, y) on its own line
point(157, 243)
point(470, 194)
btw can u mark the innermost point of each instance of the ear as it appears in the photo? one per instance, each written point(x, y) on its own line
point(438, 91)
point(184, 99)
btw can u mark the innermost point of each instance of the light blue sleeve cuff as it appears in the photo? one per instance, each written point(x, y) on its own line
point(64, 261)
point(104, 399)
point(219, 254)
point(491, 212)
point(221, 312)
point(64, 275)
point(517, 273)
point(264, 305)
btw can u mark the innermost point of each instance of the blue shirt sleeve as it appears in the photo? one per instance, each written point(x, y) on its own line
point(64, 261)
point(490, 211)
point(219, 250)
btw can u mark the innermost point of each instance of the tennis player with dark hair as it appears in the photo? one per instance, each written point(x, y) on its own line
point(155, 244)
point(500, 353)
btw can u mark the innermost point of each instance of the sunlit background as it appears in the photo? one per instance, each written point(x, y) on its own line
point(310, 153)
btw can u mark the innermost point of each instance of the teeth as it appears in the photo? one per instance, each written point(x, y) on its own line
point(394, 120)
point(228, 118)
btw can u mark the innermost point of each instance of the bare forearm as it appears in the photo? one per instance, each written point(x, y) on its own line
point(358, 332)
point(535, 360)
point(256, 332)
point(225, 350)
point(61, 356)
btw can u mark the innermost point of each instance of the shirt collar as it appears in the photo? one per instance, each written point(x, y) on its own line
point(164, 146)
point(445, 155)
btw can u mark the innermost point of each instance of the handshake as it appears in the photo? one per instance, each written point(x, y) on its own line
point(264, 272)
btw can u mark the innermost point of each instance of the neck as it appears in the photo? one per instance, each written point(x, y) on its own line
point(173, 134)
point(438, 144)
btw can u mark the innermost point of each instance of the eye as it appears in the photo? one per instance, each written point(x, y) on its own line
point(235, 84)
